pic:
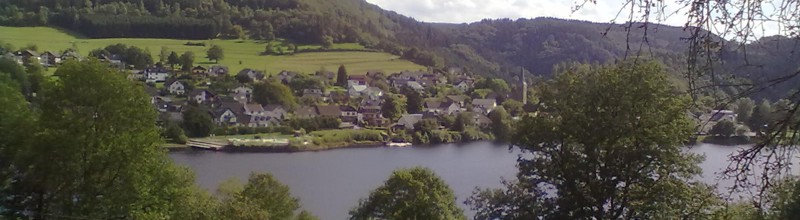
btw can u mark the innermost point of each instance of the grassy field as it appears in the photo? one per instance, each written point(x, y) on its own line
point(238, 54)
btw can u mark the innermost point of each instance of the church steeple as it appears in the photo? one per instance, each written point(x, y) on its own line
point(524, 86)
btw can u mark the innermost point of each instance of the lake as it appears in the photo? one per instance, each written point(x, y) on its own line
point(330, 183)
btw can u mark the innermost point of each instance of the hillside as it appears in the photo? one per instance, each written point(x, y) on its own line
point(489, 47)
point(238, 54)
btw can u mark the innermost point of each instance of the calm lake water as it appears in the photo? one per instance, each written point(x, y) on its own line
point(330, 183)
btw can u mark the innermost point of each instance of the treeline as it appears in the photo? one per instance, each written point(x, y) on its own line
point(108, 26)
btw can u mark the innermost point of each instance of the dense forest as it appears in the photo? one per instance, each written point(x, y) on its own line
point(489, 47)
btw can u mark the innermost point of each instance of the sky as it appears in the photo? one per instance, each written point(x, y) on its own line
point(466, 11)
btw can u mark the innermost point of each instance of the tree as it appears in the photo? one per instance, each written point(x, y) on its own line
point(35, 77)
point(269, 49)
point(725, 128)
point(164, 55)
point(744, 108)
point(173, 59)
point(174, 132)
point(393, 107)
point(215, 53)
point(341, 76)
point(501, 124)
point(94, 155)
point(416, 193)
point(514, 107)
point(187, 60)
point(606, 145)
point(16, 73)
point(17, 127)
point(263, 197)
point(760, 117)
point(197, 121)
point(327, 42)
point(274, 92)
point(462, 122)
point(239, 32)
point(413, 101)
point(292, 47)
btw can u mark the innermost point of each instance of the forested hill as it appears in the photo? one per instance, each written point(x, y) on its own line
point(489, 47)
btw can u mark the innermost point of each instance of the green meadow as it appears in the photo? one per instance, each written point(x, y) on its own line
point(238, 54)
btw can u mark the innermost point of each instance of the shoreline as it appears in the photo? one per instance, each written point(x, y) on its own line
point(294, 149)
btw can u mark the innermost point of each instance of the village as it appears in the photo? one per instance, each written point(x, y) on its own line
point(394, 103)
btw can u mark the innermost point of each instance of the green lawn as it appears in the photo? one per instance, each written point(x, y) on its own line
point(238, 54)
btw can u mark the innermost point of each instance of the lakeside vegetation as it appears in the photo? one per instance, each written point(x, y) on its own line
point(239, 54)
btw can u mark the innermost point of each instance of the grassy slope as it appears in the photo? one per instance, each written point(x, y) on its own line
point(246, 52)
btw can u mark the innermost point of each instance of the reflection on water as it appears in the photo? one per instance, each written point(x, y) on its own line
point(329, 183)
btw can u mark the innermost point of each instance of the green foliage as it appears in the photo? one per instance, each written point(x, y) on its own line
point(17, 74)
point(274, 92)
point(345, 137)
point(493, 84)
point(263, 197)
point(131, 55)
point(173, 59)
point(197, 121)
point(725, 128)
point(514, 107)
point(327, 41)
point(174, 132)
point(341, 76)
point(462, 121)
point(744, 108)
point(760, 117)
point(501, 124)
point(618, 130)
point(187, 60)
point(93, 155)
point(393, 106)
point(414, 100)
point(302, 82)
point(415, 193)
point(215, 53)
point(314, 124)
point(17, 127)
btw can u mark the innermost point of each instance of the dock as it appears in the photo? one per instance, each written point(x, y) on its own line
point(206, 145)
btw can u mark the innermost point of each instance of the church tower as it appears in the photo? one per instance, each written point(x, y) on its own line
point(524, 86)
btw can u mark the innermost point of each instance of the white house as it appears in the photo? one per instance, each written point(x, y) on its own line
point(155, 75)
point(176, 87)
point(356, 90)
point(201, 96)
point(484, 106)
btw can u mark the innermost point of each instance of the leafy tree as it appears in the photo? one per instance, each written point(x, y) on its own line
point(462, 121)
point(94, 155)
point(618, 131)
point(239, 32)
point(744, 108)
point(215, 53)
point(269, 49)
point(514, 107)
point(760, 117)
point(35, 77)
point(197, 121)
point(175, 132)
point(292, 47)
point(426, 126)
point(393, 107)
point(501, 124)
point(416, 193)
point(173, 59)
point(16, 73)
point(301, 82)
point(327, 42)
point(163, 55)
point(494, 84)
point(724, 128)
point(187, 61)
point(281, 51)
point(263, 197)
point(414, 100)
point(17, 127)
point(341, 76)
point(274, 92)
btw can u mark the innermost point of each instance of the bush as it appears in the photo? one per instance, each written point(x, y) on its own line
point(440, 137)
point(473, 134)
point(245, 130)
point(723, 128)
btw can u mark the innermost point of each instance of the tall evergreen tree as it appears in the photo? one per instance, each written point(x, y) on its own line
point(341, 76)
